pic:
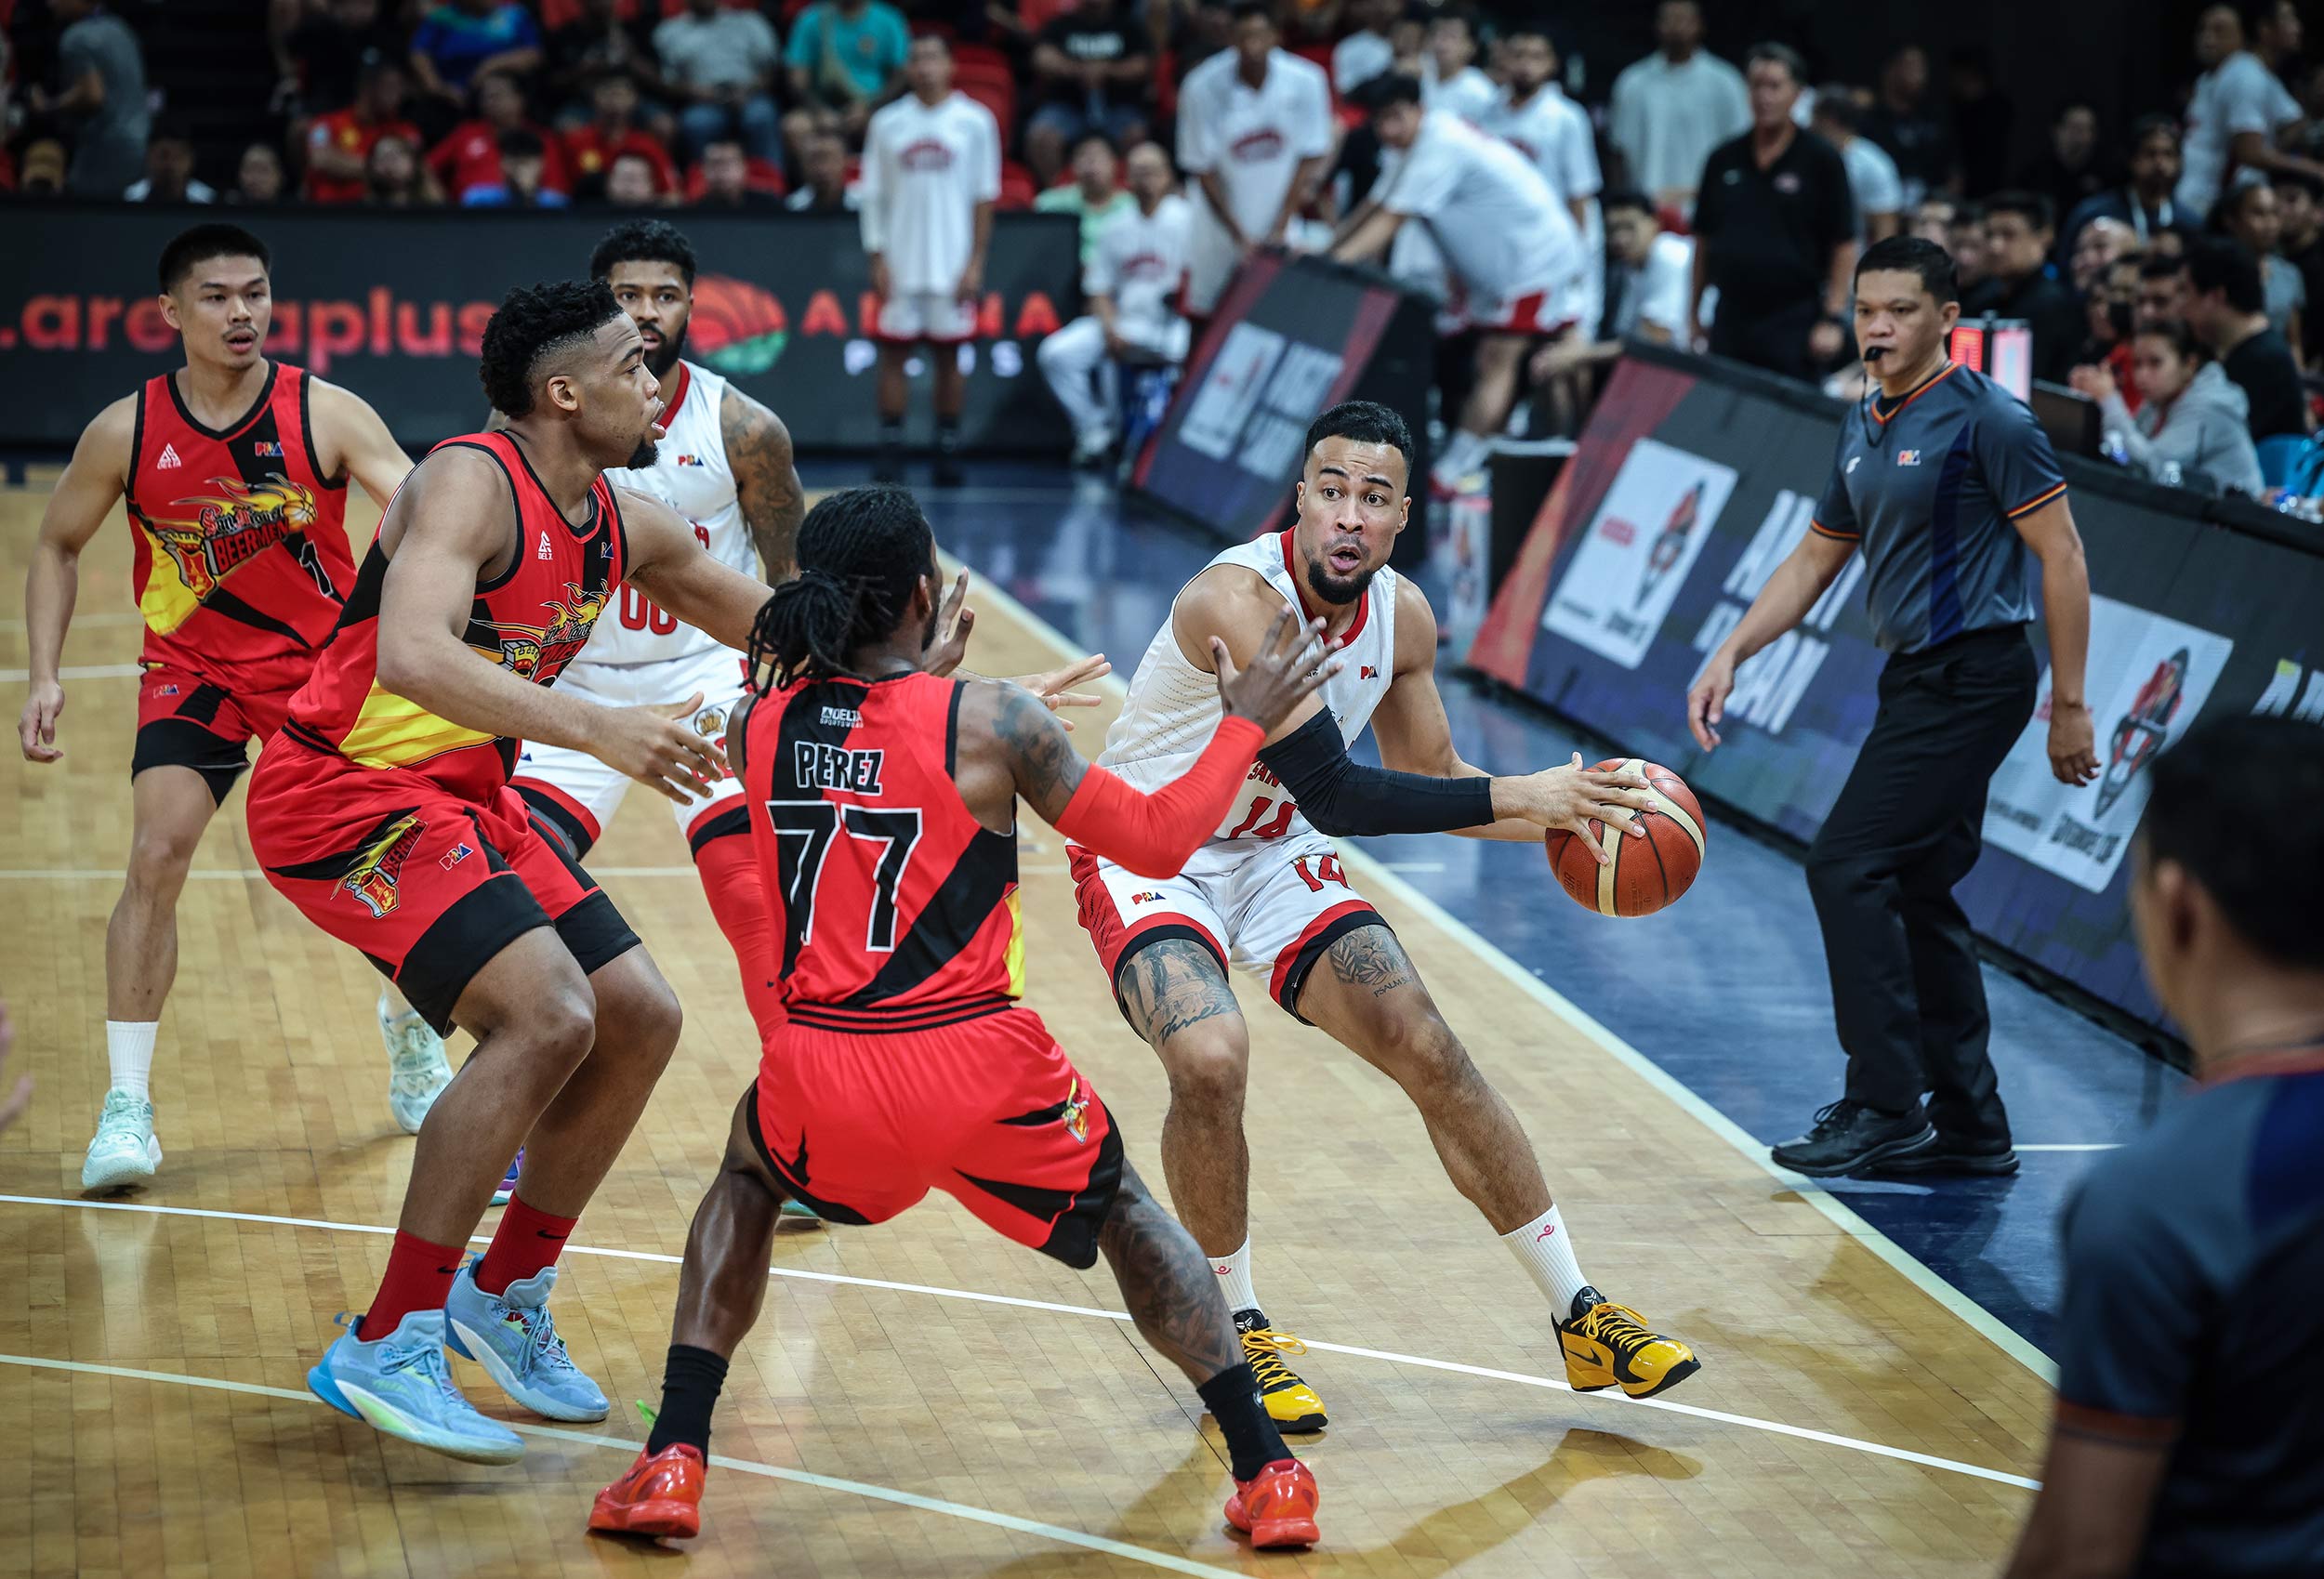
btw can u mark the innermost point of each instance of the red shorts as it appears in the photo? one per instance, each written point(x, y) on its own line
point(185, 720)
point(859, 1124)
point(429, 885)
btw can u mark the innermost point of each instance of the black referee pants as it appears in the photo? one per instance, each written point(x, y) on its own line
point(1906, 992)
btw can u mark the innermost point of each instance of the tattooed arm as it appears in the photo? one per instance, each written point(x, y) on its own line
point(766, 478)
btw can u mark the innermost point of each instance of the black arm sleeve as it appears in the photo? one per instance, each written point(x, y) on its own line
point(1340, 795)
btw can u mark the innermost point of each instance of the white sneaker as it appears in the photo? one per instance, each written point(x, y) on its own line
point(417, 1069)
point(124, 1151)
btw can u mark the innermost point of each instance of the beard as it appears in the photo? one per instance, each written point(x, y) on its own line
point(1335, 590)
point(664, 357)
point(644, 455)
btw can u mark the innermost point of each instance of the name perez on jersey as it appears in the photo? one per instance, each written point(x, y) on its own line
point(821, 767)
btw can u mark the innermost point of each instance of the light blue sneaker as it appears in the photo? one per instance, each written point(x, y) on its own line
point(401, 1385)
point(513, 1336)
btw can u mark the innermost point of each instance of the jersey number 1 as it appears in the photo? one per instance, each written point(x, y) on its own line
point(803, 831)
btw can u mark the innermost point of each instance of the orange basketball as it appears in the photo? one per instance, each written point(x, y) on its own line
point(1647, 873)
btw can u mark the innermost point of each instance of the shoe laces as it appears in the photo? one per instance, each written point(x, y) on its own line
point(426, 1359)
point(123, 1115)
point(1264, 1348)
point(544, 1351)
point(1835, 1115)
point(1618, 1328)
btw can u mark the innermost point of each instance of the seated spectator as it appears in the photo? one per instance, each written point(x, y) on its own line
point(2246, 213)
point(1367, 51)
point(322, 55)
point(633, 183)
point(394, 177)
point(2164, 291)
point(612, 131)
point(2226, 306)
point(468, 160)
point(601, 43)
point(845, 59)
point(2144, 200)
point(339, 143)
point(462, 39)
point(2110, 316)
point(824, 187)
point(2072, 170)
point(720, 66)
point(1449, 78)
point(258, 177)
point(1873, 183)
point(1649, 275)
point(1094, 65)
point(41, 173)
point(725, 170)
point(2192, 422)
point(525, 155)
point(101, 102)
point(1132, 282)
point(2101, 242)
point(2019, 228)
point(1092, 196)
point(2301, 244)
point(169, 169)
point(1910, 131)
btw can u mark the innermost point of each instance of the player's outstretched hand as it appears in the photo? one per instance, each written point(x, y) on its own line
point(1572, 797)
point(953, 624)
point(37, 728)
point(1287, 668)
point(658, 747)
point(1055, 687)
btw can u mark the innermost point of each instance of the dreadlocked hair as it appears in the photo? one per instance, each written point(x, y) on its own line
point(861, 552)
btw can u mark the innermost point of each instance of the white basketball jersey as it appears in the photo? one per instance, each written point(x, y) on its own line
point(690, 476)
point(1173, 706)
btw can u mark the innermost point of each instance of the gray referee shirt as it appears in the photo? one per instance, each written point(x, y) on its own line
point(1931, 486)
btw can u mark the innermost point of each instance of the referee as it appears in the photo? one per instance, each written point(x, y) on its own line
point(1945, 482)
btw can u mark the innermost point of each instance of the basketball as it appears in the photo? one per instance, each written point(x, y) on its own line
point(1647, 874)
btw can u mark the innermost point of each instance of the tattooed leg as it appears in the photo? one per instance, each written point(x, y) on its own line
point(1166, 1284)
point(1370, 1000)
point(1177, 998)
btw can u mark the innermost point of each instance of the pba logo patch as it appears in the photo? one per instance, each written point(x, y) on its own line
point(691, 460)
point(1366, 672)
point(267, 449)
point(1148, 896)
point(1907, 457)
point(454, 856)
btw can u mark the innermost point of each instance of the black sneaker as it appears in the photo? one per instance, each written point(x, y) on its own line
point(946, 472)
point(1970, 1155)
point(1848, 1136)
point(889, 467)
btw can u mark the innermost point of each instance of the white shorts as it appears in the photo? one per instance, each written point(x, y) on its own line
point(1270, 906)
point(579, 794)
point(913, 316)
point(1549, 309)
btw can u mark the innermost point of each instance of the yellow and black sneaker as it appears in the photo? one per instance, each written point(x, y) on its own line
point(1608, 1344)
point(1290, 1403)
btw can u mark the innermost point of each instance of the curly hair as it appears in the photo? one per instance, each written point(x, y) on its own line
point(861, 551)
point(533, 321)
point(644, 240)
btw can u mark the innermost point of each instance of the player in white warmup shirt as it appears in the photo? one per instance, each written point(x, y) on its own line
point(1534, 116)
point(930, 174)
point(1267, 894)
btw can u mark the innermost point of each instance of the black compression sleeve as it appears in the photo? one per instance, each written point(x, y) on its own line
point(1340, 795)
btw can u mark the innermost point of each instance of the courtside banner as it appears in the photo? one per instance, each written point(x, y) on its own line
point(393, 307)
point(1693, 482)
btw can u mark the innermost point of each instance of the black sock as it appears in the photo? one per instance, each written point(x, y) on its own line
point(1252, 1441)
point(691, 1381)
point(947, 435)
point(891, 433)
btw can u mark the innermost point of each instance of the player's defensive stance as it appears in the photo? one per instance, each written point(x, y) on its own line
point(1266, 891)
point(883, 805)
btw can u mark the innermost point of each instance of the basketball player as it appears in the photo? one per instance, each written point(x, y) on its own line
point(234, 470)
point(1266, 893)
point(382, 810)
point(883, 803)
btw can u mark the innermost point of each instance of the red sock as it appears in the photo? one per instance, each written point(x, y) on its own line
point(736, 888)
point(419, 1278)
point(527, 1240)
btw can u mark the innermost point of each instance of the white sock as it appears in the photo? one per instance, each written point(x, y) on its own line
point(1545, 1249)
point(129, 1049)
point(1235, 1279)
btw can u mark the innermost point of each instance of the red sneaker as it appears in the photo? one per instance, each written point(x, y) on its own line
point(1276, 1507)
point(660, 1495)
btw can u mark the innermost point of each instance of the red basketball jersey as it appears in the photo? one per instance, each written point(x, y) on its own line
point(890, 898)
point(531, 620)
point(241, 562)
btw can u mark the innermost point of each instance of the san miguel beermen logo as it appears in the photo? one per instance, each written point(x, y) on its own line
point(374, 877)
point(230, 528)
point(2140, 733)
point(541, 651)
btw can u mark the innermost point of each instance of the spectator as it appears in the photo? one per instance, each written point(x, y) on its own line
point(1647, 273)
point(2019, 230)
point(2226, 306)
point(525, 156)
point(462, 39)
point(323, 55)
point(394, 177)
point(41, 171)
point(101, 103)
point(926, 223)
point(2247, 214)
point(1200, 30)
point(468, 159)
point(846, 59)
point(725, 172)
point(2192, 422)
point(1913, 135)
point(1093, 195)
point(1972, 265)
point(338, 144)
point(1673, 109)
point(2238, 110)
point(1448, 74)
point(2165, 292)
point(2109, 322)
point(598, 42)
point(2144, 204)
point(1550, 129)
point(612, 131)
point(1092, 63)
point(1366, 52)
point(824, 187)
point(169, 169)
point(1255, 133)
point(2103, 242)
point(1933, 220)
point(2301, 246)
point(1774, 232)
point(1874, 186)
point(1132, 282)
point(634, 180)
point(720, 66)
point(258, 177)
point(2070, 171)
point(1982, 118)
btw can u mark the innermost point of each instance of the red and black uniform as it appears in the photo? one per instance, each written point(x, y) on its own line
point(240, 570)
point(395, 830)
point(907, 1062)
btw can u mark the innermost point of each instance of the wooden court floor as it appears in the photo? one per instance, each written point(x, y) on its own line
point(887, 1418)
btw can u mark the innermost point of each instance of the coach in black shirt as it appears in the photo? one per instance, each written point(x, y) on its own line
point(2226, 307)
point(1774, 230)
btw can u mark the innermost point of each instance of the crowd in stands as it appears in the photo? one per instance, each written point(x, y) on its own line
point(2165, 266)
